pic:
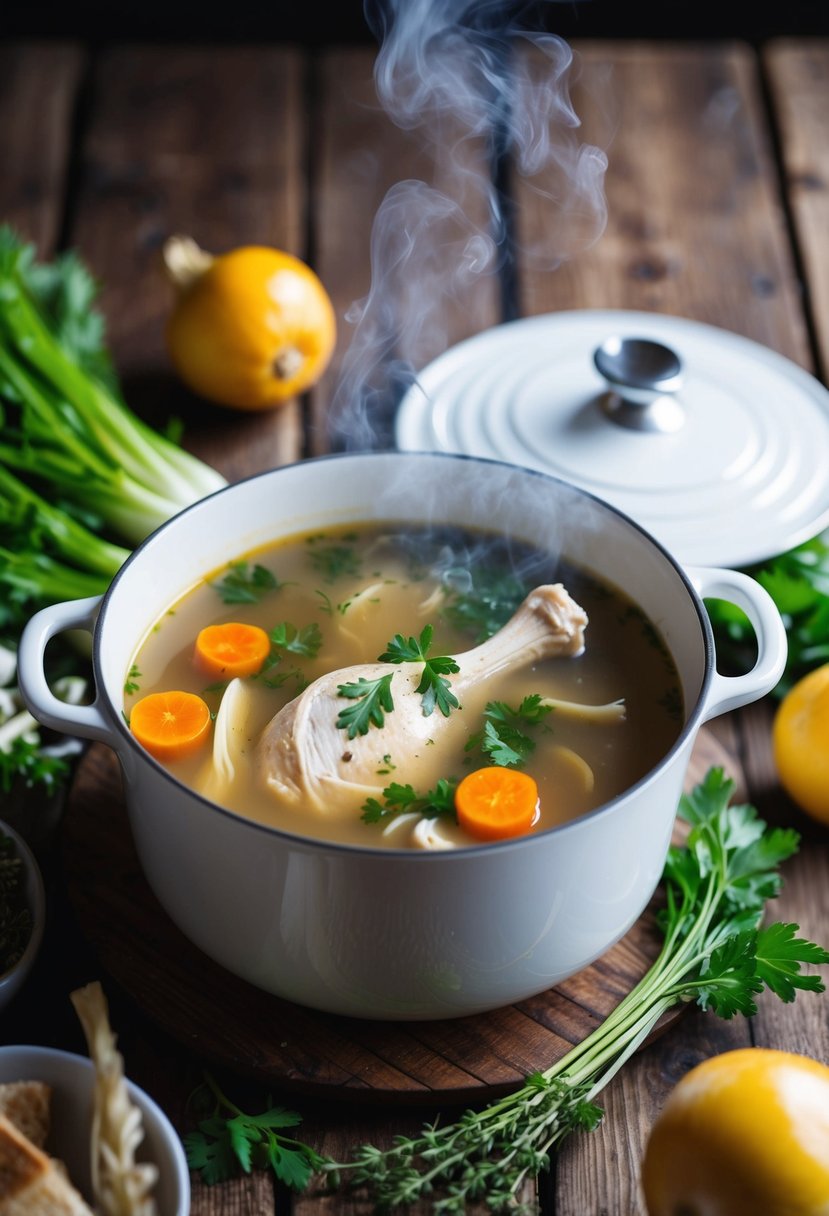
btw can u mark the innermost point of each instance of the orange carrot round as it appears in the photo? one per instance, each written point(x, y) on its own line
point(232, 649)
point(495, 803)
point(170, 725)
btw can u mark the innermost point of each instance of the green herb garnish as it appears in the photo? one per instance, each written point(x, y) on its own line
point(485, 609)
point(334, 559)
point(402, 799)
point(502, 739)
point(304, 642)
point(228, 1140)
point(246, 584)
point(372, 701)
point(434, 688)
point(24, 760)
point(131, 684)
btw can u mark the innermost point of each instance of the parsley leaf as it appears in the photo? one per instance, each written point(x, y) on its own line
point(334, 559)
point(400, 799)
point(304, 642)
point(779, 954)
point(434, 688)
point(229, 1140)
point(488, 606)
point(502, 739)
point(24, 760)
point(246, 584)
point(373, 700)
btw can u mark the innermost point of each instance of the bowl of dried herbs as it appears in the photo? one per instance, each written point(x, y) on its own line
point(22, 912)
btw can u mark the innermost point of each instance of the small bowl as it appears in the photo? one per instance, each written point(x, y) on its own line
point(12, 981)
point(72, 1078)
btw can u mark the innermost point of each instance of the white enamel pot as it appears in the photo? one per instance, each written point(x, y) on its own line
point(398, 934)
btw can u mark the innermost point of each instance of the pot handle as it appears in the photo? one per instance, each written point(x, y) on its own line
point(87, 721)
point(730, 692)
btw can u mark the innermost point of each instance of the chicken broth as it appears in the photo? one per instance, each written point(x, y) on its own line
point(384, 666)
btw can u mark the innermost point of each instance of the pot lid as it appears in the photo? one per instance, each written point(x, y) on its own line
point(714, 443)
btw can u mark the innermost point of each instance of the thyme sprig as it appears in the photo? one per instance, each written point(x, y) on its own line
point(714, 953)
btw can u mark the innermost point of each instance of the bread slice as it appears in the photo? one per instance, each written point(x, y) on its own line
point(30, 1182)
point(26, 1104)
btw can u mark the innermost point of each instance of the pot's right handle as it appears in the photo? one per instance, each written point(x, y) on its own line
point(730, 692)
point(87, 721)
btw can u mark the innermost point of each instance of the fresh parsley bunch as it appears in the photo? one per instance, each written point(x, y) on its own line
point(798, 582)
point(715, 953)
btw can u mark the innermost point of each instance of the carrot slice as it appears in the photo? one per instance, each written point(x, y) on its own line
point(170, 725)
point(232, 649)
point(495, 803)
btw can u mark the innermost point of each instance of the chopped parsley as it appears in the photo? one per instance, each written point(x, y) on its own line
point(246, 584)
point(334, 559)
point(402, 799)
point(304, 642)
point(434, 688)
point(372, 701)
point(502, 738)
point(488, 606)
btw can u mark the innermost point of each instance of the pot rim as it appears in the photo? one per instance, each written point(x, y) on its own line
point(448, 856)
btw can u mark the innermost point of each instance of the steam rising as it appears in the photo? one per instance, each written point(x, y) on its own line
point(481, 93)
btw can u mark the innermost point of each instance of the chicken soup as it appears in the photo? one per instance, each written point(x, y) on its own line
point(384, 686)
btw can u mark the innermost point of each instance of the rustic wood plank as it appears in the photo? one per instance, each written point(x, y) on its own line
point(695, 224)
point(406, 268)
point(695, 228)
point(207, 141)
point(802, 1026)
point(38, 90)
point(798, 73)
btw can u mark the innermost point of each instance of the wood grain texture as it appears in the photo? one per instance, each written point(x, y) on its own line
point(798, 74)
point(695, 228)
point(310, 1054)
point(205, 141)
point(396, 216)
point(695, 223)
point(38, 90)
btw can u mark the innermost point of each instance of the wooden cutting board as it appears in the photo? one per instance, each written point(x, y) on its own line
point(230, 1023)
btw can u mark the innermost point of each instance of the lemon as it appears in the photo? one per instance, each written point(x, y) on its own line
point(249, 329)
point(745, 1133)
point(800, 740)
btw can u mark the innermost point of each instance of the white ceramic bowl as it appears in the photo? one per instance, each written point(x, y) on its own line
point(12, 980)
point(401, 934)
point(72, 1080)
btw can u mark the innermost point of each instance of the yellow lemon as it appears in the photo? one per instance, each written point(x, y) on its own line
point(800, 739)
point(745, 1133)
point(250, 328)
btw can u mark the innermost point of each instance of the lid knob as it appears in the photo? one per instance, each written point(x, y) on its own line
point(643, 378)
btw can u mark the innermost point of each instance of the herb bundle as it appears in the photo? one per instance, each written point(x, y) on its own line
point(715, 953)
point(66, 435)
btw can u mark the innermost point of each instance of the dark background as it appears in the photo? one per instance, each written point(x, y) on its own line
point(329, 21)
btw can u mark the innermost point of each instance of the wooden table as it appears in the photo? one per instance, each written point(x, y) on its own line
point(718, 210)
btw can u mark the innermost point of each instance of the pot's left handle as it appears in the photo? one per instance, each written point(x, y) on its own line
point(730, 692)
point(84, 720)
